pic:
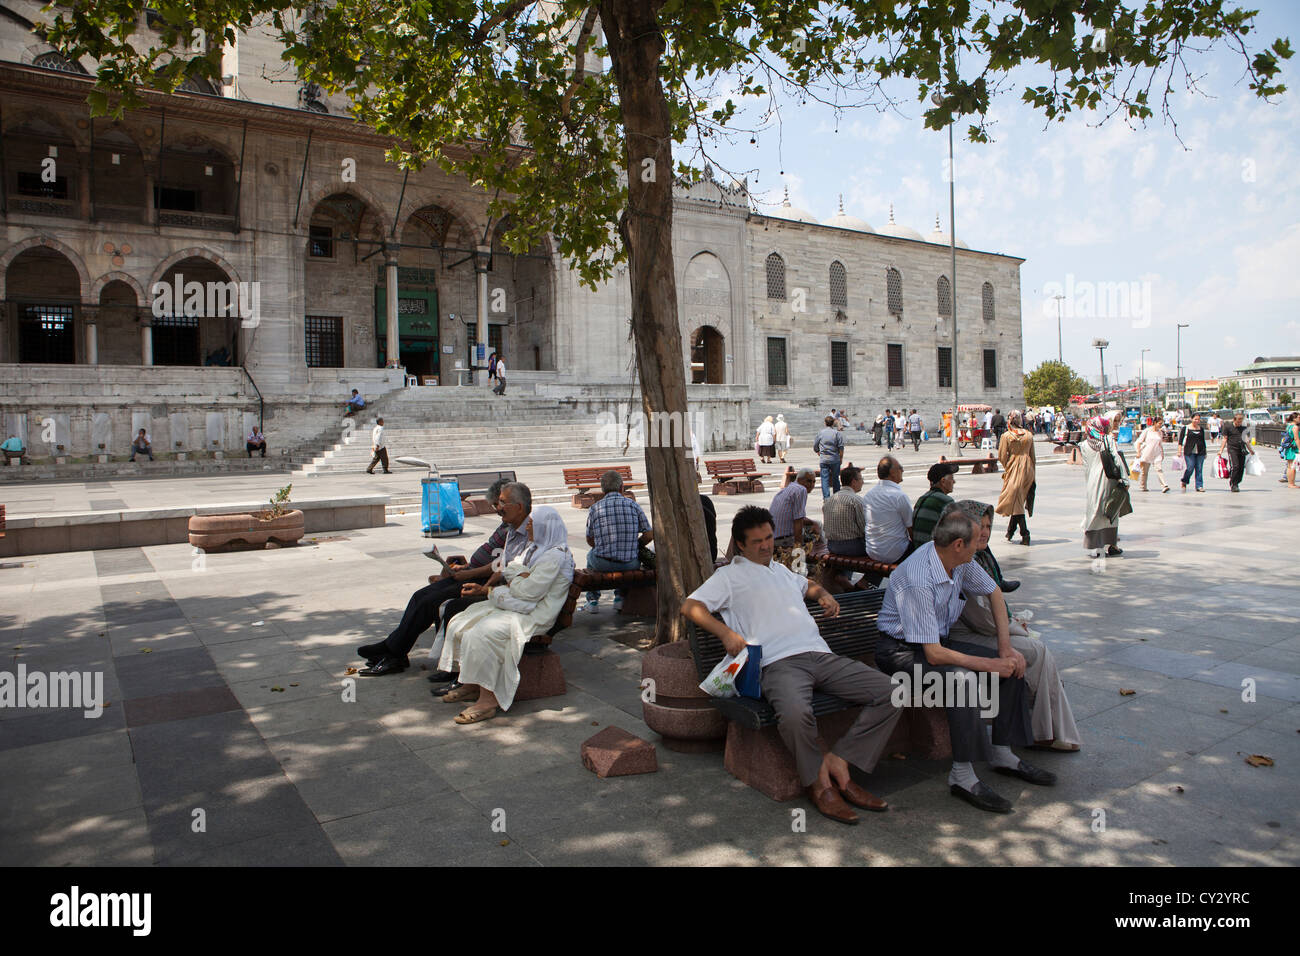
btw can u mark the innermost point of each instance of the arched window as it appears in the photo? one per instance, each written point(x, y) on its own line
point(987, 295)
point(775, 277)
point(839, 286)
point(56, 61)
point(894, 291)
point(944, 294)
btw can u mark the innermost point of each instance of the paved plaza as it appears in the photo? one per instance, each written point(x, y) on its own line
point(227, 739)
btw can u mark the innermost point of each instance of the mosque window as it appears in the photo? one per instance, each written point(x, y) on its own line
point(945, 367)
point(895, 364)
point(943, 290)
point(777, 376)
point(56, 61)
point(987, 296)
point(990, 368)
point(776, 277)
point(894, 291)
point(839, 364)
point(839, 286)
point(324, 345)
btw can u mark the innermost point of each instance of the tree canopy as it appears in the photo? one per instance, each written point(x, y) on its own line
point(1052, 383)
point(1229, 395)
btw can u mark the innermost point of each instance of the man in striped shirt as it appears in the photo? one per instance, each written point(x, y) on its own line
point(844, 516)
point(389, 656)
point(790, 510)
point(925, 515)
point(925, 597)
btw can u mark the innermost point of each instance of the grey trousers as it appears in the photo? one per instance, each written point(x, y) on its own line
point(788, 685)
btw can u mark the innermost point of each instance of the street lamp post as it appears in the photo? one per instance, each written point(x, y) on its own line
point(1117, 365)
point(937, 100)
point(1178, 362)
point(1142, 381)
point(1101, 345)
point(1060, 355)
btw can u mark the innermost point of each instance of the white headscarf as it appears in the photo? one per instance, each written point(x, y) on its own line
point(550, 539)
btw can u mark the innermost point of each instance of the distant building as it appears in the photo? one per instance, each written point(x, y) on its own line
point(1201, 392)
point(1265, 380)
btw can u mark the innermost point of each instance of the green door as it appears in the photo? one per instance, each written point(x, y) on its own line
point(417, 330)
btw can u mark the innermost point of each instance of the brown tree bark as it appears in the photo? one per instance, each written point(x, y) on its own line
point(636, 47)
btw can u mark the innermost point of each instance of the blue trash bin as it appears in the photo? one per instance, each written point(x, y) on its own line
point(441, 512)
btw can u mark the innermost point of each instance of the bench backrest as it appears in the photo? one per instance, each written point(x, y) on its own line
point(591, 476)
point(477, 482)
point(852, 633)
point(730, 466)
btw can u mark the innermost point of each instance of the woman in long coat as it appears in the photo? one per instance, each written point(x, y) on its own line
point(488, 639)
point(1105, 485)
point(1016, 455)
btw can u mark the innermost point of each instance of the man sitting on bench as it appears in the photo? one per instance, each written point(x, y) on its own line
point(616, 527)
point(389, 656)
point(925, 598)
point(762, 602)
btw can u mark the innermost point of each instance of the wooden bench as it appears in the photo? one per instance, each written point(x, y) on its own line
point(473, 489)
point(979, 466)
point(640, 585)
point(735, 476)
point(2, 521)
point(585, 482)
point(755, 753)
point(873, 571)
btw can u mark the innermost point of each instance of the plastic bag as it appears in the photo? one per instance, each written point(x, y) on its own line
point(1221, 467)
point(1178, 464)
point(1254, 465)
point(721, 681)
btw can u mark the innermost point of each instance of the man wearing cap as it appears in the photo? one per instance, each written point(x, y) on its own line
point(925, 515)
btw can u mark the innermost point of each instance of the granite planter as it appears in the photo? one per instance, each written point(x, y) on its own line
point(217, 532)
point(681, 713)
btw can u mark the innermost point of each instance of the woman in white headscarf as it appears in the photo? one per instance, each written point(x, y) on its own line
point(488, 639)
point(782, 433)
point(765, 440)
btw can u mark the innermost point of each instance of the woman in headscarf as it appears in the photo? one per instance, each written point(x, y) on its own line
point(1151, 454)
point(878, 429)
point(1050, 716)
point(1016, 455)
point(488, 639)
point(1106, 486)
point(782, 433)
point(765, 439)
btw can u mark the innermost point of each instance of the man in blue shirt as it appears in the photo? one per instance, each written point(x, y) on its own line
point(355, 404)
point(616, 528)
point(13, 448)
point(829, 444)
point(925, 597)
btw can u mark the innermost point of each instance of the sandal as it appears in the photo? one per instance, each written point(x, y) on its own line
point(463, 692)
point(475, 716)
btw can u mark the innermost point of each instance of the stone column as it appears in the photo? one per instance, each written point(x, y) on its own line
point(150, 211)
point(83, 182)
point(146, 338)
point(90, 314)
point(394, 346)
point(481, 336)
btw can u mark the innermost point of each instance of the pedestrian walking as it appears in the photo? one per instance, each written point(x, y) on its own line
point(1019, 477)
point(1107, 498)
point(1234, 438)
point(1151, 454)
point(782, 433)
point(378, 448)
point(915, 425)
point(878, 429)
point(765, 438)
point(1191, 439)
point(501, 377)
point(1289, 448)
point(829, 444)
point(890, 425)
point(999, 426)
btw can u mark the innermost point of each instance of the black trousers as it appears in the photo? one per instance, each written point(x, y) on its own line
point(421, 613)
point(916, 440)
point(455, 606)
point(252, 448)
point(1237, 463)
point(381, 457)
point(1011, 725)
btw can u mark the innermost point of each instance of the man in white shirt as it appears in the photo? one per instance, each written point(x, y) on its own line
point(988, 421)
point(501, 377)
point(889, 514)
point(762, 602)
point(1215, 424)
point(378, 449)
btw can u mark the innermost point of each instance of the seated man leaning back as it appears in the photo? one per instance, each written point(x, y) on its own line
point(762, 602)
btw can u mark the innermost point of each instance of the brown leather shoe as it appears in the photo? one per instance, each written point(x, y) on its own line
point(829, 803)
point(862, 798)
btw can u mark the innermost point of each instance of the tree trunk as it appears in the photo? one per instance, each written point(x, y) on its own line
point(636, 47)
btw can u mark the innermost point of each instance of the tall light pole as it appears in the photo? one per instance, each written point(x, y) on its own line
point(1178, 362)
point(937, 100)
point(1101, 345)
point(1060, 356)
point(1117, 365)
point(1142, 381)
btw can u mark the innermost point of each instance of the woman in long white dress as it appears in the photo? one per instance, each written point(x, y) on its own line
point(765, 439)
point(488, 639)
point(1105, 485)
point(782, 434)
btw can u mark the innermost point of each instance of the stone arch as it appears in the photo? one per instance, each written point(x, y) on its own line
point(31, 242)
point(445, 197)
point(319, 194)
point(188, 139)
point(194, 252)
point(34, 50)
point(97, 287)
point(708, 356)
point(79, 138)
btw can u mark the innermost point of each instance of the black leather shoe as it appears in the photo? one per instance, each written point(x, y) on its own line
point(1029, 773)
point(372, 654)
point(437, 690)
point(1114, 552)
point(982, 797)
point(443, 677)
point(1009, 586)
point(389, 665)
point(1024, 539)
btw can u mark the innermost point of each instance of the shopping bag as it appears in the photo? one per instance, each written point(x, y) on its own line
point(721, 681)
point(1135, 474)
point(1255, 466)
point(1221, 467)
point(749, 682)
point(441, 511)
point(1176, 464)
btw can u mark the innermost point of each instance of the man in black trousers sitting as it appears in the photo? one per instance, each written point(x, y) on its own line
point(389, 656)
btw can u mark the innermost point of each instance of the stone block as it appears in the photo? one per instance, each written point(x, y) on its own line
point(641, 602)
point(540, 675)
point(760, 759)
point(615, 753)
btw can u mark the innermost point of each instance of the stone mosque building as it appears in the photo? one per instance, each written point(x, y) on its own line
point(264, 187)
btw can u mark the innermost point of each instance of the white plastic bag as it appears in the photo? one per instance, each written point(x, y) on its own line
point(1254, 465)
point(721, 681)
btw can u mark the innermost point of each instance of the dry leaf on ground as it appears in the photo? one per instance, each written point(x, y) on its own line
point(1126, 692)
point(1259, 760)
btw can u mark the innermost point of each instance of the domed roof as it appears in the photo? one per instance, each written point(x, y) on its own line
point(841, 220)
point(941, 238)
point(892, 228)
point(793, 213)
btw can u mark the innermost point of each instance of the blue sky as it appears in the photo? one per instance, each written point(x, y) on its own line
point(1204, 232)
